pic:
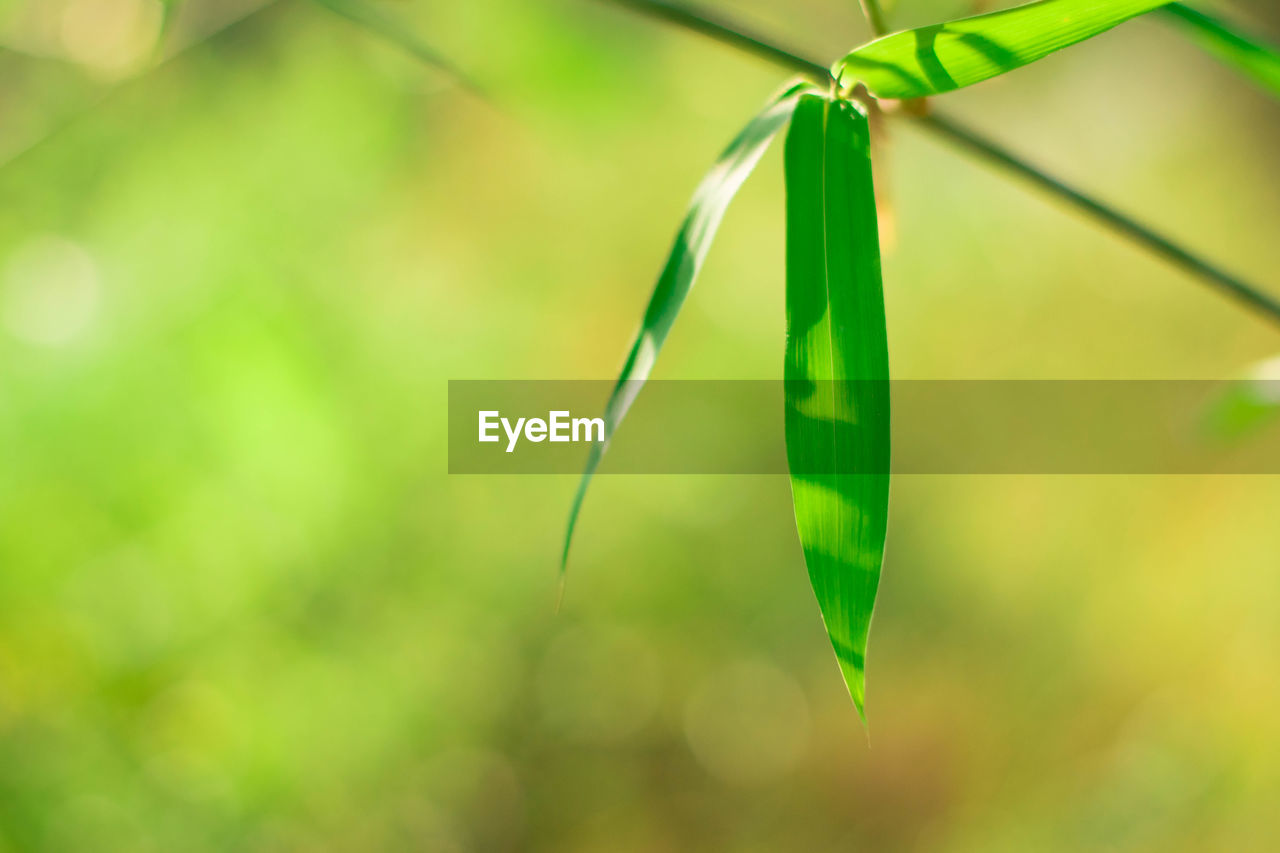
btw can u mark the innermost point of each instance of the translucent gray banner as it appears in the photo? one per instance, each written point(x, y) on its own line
point(937, 427)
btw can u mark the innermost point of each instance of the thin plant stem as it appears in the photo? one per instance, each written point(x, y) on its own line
point(722, 31)
point(971, 142)
point(160, 60)
point(371, 20)
point(875, 17)
point(378, 23)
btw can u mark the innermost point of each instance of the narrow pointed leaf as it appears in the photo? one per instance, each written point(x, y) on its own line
point(1258, 61)
point(942, 57)
point(837, 370)
point(710, 201)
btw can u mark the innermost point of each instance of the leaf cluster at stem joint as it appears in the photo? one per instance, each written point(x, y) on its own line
point(1247, 55)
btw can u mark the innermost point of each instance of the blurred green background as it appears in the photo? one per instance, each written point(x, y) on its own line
point(243, 606)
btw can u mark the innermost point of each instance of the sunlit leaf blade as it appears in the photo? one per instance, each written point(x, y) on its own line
point(837, 370)
point(1257, 61)
point(380, 24)
point(942, 57)
point(710, 201)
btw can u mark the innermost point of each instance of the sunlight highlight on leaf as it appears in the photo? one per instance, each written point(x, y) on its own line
point(942, 57)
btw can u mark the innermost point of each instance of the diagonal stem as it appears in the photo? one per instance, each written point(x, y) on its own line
point(968, 140)
point(724, 31)
point(357, 13)
point(162, 59)
point(971, 142)
point(378, 23)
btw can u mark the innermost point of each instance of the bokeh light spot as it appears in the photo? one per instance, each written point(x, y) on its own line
point(748, 723)
point(110, 36)
point(51, 291)
point(599, 684)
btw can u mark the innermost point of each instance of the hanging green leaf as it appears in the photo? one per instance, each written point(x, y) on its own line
point(837, 371)
point(710, 201)
point(942, 57)
point(1252, 58)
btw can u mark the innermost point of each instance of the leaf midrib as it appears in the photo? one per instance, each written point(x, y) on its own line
point(826, 285)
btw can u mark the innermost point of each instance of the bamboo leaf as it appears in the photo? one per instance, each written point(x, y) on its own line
point(972, 143)
point(1257, 61)
point(837, 371)
point(942, 57)
point(710, 201)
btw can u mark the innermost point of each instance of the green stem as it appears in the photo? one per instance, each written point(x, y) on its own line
point(971, 142)
point(378, 23)
point(875, 17)
point(723, 31)
point(968, 140)
point(160, 61)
